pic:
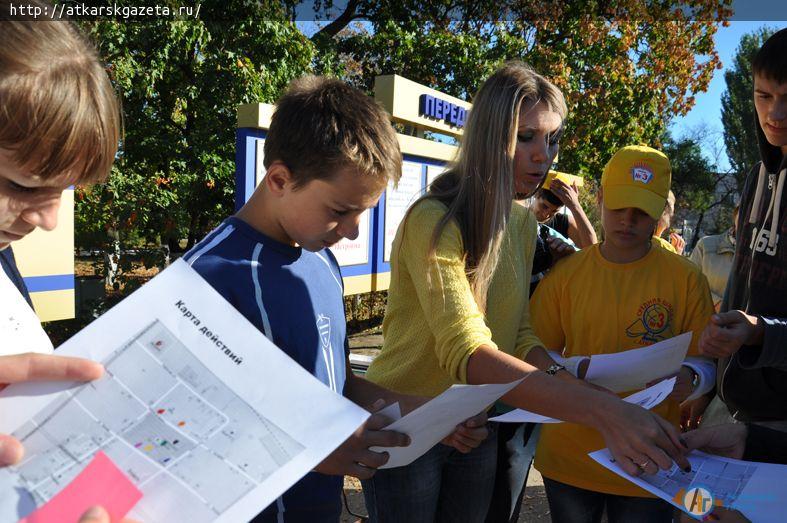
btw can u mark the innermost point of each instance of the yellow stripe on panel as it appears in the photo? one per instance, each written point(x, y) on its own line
point(43, 253)
point(357, 284)
point(54, 305)
point(382, 280)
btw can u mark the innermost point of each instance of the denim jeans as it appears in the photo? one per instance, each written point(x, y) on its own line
point(516, 446)
point(443, 485)
point(568, 504)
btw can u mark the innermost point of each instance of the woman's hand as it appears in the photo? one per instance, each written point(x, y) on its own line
point(639, 440)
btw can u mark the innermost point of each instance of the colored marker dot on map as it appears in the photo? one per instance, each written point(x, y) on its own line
point(138, 445)
point(148, 448)
point(181, 423)
point(161, 411)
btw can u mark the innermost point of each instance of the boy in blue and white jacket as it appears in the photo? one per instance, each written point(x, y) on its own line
point(329, 154)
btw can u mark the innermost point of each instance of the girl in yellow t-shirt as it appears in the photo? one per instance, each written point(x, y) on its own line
point(458, 309)
point(620, 294)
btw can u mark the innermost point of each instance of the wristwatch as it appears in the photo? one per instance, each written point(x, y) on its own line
point(554, 369)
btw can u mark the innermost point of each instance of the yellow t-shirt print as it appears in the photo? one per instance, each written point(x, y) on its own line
point(653, 323)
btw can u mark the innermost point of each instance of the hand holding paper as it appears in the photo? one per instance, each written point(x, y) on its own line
point(438, 418)
point(469, 434)
point(756, 489)
point(355, 457)
point(208, 418)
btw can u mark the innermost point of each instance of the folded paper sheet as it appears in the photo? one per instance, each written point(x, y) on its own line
point(436, 419)
point(633, 369)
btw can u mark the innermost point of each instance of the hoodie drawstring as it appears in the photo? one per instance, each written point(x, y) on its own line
point(776, 205)
point(755, 207)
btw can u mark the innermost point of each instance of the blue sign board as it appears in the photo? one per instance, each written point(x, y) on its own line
point(433, 107)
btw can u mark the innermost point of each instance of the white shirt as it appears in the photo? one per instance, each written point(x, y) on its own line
point(20, 329)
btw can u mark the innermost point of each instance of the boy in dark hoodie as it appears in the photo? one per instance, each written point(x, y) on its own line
point(749, 336)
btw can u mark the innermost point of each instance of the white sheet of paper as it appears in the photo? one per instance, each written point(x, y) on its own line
point(652, 396)
point(392, 412)
point(647, 399)
point(523, 416)
point(758, 490)
point(197, 407)
point(19, 324)
point(633, 369)
point(437, 418)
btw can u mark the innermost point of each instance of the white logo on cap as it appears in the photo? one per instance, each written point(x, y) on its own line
point(641, 173)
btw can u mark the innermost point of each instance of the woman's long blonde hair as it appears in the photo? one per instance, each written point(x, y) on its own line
point(478, 188)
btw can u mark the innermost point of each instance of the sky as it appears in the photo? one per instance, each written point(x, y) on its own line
point(707, 109)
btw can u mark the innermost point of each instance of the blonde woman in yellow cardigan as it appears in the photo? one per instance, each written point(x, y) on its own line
point(458, 308)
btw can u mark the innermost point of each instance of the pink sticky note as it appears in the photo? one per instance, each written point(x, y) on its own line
point(100, 483)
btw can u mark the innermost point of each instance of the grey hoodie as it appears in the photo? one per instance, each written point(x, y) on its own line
point(753, 382)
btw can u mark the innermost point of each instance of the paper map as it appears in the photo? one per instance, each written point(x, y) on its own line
point(756, 489)
point(188, 418)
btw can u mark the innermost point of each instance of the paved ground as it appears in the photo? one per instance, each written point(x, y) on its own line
point(534, 507)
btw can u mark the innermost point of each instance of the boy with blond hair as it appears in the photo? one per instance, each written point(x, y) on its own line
point(329, 154)
point(647, 295)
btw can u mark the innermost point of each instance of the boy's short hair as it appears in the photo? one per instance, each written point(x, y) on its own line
point(321, 125)
point(771, 60)
point(58, 111)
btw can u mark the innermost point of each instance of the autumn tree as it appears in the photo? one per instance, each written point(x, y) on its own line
point(626, 68)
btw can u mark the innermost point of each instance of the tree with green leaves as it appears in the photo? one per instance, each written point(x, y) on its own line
point(737, 106)
point(181, 82)
point(626, 67)
point(698, 186)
